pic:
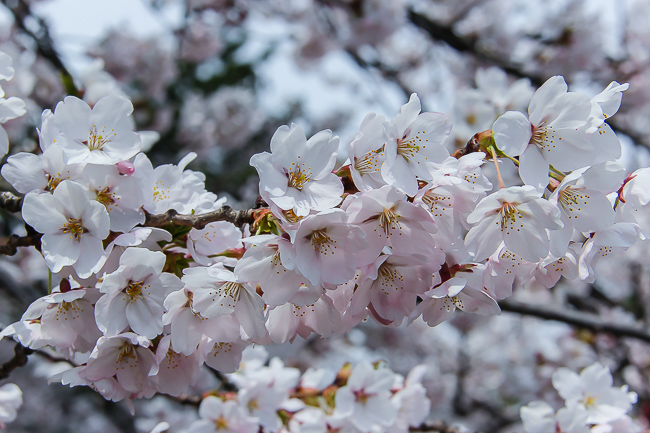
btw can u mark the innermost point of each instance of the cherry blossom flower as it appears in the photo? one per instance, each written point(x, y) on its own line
point(366, 397)
point(134, 294)
point(73, 227)
point(297, 174)
point(11, 398)
point(517, 216)
point(550, 135)
point(593, 390)
point(100, 135)
point(366, 153)
point(414, 145)
point(326, 246)
point(223, 417)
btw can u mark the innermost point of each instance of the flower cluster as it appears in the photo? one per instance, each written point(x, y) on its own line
point(366, 397)
point(402, 230)
point(591, 404)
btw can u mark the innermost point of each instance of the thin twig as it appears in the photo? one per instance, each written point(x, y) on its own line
point(576, 318)
point(225, 213)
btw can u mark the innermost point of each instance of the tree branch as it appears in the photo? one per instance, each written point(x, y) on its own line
point(15, 241)
point(225, 213)
point(10, 202)
point(19, 360)
point(576, 318)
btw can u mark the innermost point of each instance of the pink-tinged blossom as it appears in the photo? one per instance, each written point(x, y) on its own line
point(551, 134)
point(414, 146)
point(27, 172)
point(223, 417)
point(100, 135)
point(583, 203)
point(365, 400)
point(109, 388)
point(297, 174)
point(173, 187)
point(223, 356)
point(218, 292)
point(11, 398)
point(121, 195)
point(366, 153)
point(10, 108)
point(593, 390)
point(549, 270)
point(134, 294)
point(270, 263)
point(603, 243)
point(287, 321)
point(176, 372)
point(263, 402)
point(412, 401)
point(504, 271)
point(462, 290)
point(73, 227)
point(539, 417)
point(392, 284)
point(188, 327)
point(326, 247)
point(517, 216)
point(212, 240)
point(387, 219)
point(127, 358)
point(67, 319)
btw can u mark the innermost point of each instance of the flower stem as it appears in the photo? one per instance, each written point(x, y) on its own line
point(496, 165)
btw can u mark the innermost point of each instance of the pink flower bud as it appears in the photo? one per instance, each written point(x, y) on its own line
point(125, 167)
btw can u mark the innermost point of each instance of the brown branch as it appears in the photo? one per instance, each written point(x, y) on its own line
point(10, 202)
point(15, 241)
point(576, 318)
point(225, 213)
point(19, 360)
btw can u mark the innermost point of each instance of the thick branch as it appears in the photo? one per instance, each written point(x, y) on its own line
point(576, 318)
point(225, 213)
point(19, 360)
point(15, 241)
point(10, 202)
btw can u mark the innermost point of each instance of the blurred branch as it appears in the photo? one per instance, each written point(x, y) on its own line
point(19, 360)
point(445, 33)
point(10, 202)
point(225, 213)
point(37, 29)
point(576, 318)
point(11, 247)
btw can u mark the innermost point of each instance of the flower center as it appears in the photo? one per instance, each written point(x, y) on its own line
point(437, 203)
point(509, 216)
point(368, 163)
point(407, 148)
point(134, 290)
point(389, 278)
point(298, 179)
point(389, 220)
point(95, 141)
point(221, 423)
point(572, 200)
point(321, 242)
point(74, 228)
point(127, 352)
point(105, 197)
point(544, 137)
